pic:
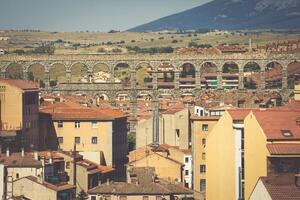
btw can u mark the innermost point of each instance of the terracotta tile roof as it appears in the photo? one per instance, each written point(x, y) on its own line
point(282, 187)
point(70, 110)
point(205, 118)
point(93, 167)
point(239, 114)
point(274, 121)
point(21, 84)
point(17, 160)
point(174, 109)
point(284, 149)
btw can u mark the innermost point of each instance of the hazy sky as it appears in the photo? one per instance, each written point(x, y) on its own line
point(93, 15)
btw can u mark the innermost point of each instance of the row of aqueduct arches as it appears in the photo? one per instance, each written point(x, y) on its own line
point(73, 71)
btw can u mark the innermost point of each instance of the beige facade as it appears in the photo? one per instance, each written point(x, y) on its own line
point(130, 197)
point(173, 129)
point(34, 189)
point(99, 135)
point(260, 192)
point(201, 128)
point(19, 114)
point(297, 92)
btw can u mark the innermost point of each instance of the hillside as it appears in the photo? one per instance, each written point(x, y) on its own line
point(232, 14)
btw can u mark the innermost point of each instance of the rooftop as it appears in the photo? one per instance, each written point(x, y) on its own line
point(21, 84)
point(284, 149)
point(17, 160)
point(72, 111)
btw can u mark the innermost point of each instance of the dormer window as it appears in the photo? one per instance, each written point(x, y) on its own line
point(286, 133)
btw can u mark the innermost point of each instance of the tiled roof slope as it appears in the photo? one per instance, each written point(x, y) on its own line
point(273, 122)
point(21, 84)
point(70, 110)
point(282, 187)
point(284, 149)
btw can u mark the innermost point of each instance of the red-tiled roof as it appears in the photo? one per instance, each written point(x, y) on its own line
point(274, 121)
point(284, 149)
point(70, 110)
point(21, 84)
point(174, 109)
point(282, 187)
point(238, 114)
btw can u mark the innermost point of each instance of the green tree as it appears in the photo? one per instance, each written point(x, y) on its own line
point(82, 195)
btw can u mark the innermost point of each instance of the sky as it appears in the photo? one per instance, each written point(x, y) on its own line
point(82, 15)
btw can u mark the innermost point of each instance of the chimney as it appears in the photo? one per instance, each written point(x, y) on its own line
point(22, 152)
point(297, 180)
point(7, 152)
point(107, 181)
point(50, 160)
point(35, 155)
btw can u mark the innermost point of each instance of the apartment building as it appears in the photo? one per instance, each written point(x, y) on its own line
point(201, 128)
point(100, 135)
point(174, 128)
point(19, 103)
point(249, 144)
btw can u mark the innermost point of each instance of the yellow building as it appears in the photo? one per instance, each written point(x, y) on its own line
point(19, 102)
point(248, 144)
point(201, 128)
point(100, 135)
point(174, 128)
point(272, 144)
point(224, 162)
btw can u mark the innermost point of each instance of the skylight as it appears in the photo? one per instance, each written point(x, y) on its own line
point(286, 133)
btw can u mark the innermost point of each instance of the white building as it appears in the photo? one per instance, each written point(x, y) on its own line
point(188, 170)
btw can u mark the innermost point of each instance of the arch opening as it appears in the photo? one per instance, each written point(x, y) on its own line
point(101, 73)
point(36, 73)
point(165, 76)
point(208, 75)
point(187, 76)
point(14, 71)
point(57, 74)
point(293, 73)
point(142, 75)
point(273, 75)
point(122, 74)
point(252, 76)
point(230, 77)
point(79, 73)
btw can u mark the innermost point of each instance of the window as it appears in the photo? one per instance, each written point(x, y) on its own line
point(77, 124)
point(286, 133)
point(60, 140)
point(177, 132)
point(186, 172)
point(203, 156)
point(77, 140)
point(202, 168)
point(17, 175)
point(203, 141)
point(202, 184)
point(94, 125)
point(94, 140)
point(60, 124)
point(204, 127)
point(186, 159)
point(67, 165)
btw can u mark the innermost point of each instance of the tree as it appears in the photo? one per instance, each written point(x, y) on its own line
point(82, 195)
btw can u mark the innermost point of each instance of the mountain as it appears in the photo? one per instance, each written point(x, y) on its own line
point(232, 14)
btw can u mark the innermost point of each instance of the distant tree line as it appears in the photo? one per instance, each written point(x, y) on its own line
point(196, 45)
point(151, 50)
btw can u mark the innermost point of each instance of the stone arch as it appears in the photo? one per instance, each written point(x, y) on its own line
point(57, 73)
point(144, 95)
point(14, 71)
point(274, 75)
point(101, 73)
point(79, 72)
point(230, 75)
point(252, 75)
point(293, 74)
point(101, 98)
point(142, 73)
point(187, 76)
point(36, 73)
point(208, 75)
point(122, 73)
point(166, 75)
